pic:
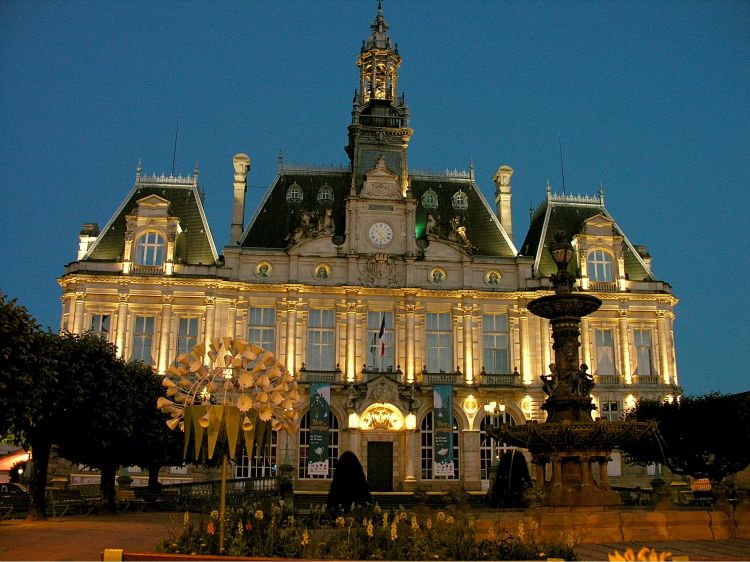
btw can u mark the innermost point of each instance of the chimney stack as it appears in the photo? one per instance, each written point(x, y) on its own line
point(502, 198)
point(241, 168)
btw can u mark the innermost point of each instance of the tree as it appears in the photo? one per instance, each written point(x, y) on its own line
point(349, 485)
point(154, 445)
point(29, 401)
point(99, 418)
point(701, 436)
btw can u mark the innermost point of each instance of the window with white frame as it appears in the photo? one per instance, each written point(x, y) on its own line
point(304, 445)
point(321, 333)
point(439, 342)
point(380, 341)
point(495, 357)
point(100, 324)
point(460, 201)
point(610, 410)
point(149, 250)
point(600, 266)
point(258, 466)
point(605, 352)
point(490, 450)
point(143, 339)
point(430, 199)
point(187, 335)
point(614, 466)
point(427, 437)
point(261, 327)
point(294, 193)
point(643, 352)
point(325, 194)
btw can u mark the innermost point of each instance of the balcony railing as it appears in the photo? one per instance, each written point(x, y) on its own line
point(371, 374)
point(379, 121)
point(647, 379)
point(609, 286)
point(147, 269)
point(496, 379)
point(607, 380)
point(319, 375)
point(442, 378)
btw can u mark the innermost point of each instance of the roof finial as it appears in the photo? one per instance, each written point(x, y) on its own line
point(601, 193)
point(281, 161)
point(549, 187)
point(471, 167)
point(139, 169)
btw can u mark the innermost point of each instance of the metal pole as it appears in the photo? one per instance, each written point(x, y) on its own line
point(223, 502)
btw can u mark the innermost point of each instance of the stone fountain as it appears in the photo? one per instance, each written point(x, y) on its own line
point(569, 440)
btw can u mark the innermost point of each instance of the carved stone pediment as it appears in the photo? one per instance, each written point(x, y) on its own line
point(381, 183)
point(379, 271)
point(383, 390)
point(152, 206)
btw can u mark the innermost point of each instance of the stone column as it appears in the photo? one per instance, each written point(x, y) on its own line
point(291, 336)
point(523, 321)
point(210, 321)
point(662, 325)
point(410, 341)
point(231, 329)
point(166, 325)
point(411, 445)
point(585, 342)
point(625, 347)
point(122, 323)
point(468, 345)
point(351, 338)
point(546, 343)
point(80, 307)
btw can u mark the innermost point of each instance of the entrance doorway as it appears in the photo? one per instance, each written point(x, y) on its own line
point(380, 466)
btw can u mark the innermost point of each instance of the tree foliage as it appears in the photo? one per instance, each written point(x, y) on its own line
point(701, 436)
point(349, 485)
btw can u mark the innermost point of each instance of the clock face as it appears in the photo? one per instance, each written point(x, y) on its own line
point(380, 234)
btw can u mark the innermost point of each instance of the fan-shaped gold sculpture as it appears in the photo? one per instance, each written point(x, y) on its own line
point(240, 386)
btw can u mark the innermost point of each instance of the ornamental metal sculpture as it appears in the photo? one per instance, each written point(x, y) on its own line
point(570, 440)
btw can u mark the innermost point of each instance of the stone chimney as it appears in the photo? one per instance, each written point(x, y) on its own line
point(502, 198)
point(241, 168)
point(89, 233)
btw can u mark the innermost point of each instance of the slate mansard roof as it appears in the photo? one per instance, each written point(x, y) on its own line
point(276, 217)
point(194, 245)
point(569, 213)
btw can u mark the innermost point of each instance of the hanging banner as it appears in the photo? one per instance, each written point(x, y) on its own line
point(443, 430)
point(320, 400)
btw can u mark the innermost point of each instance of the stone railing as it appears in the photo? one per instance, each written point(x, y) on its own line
point(495, 379)
point(606, 286)
point(136, 269)
point(316, 375)
point(607, 380)
point(429, 378)
point(651, 380)
point(370, 375)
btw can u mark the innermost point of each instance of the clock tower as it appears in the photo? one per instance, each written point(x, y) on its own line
point(380, 209)
point(380, 118)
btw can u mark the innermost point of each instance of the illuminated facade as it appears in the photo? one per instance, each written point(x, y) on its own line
point(381, 283)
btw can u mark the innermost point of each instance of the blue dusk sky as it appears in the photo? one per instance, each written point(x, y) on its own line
point(651, 99)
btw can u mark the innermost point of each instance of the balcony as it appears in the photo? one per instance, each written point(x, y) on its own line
point(147, 269)
point(429, 378)
point(606, 287)
point(370, 374)
point(497, 379)
point(607, 380)
point(319, 375)
point(650, 380)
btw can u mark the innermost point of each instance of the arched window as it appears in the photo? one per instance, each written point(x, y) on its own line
point(255, 466)
point(489, 449)
point(304, 445)
point(149, 250)
point(294, 193)
point(427, 439)
point(325, 194)
point(600, 266)
point(460, 200)
point(430, 199)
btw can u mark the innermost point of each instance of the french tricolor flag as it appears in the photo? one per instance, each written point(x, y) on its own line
point(381, 336)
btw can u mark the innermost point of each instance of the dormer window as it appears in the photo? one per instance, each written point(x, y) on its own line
point(149, 249)
point(460, 200)
point(325, 194)
point(430, 199)
point(294, 193)
point(600, 266)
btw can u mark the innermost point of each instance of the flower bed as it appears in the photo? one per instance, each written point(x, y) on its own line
point(370, 533)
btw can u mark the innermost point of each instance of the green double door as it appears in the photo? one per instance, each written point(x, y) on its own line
point(380, 466)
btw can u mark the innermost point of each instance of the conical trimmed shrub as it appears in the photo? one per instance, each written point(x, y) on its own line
point(349, 485)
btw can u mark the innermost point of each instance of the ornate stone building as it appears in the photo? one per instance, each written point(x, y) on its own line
point(399, 294)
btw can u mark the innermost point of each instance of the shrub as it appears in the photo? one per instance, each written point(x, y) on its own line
point(349, 485)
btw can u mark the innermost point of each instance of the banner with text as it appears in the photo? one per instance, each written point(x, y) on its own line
point(320, 400)
point(443, 420)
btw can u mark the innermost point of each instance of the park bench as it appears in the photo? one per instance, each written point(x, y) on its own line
point(72, 501)
point(127, 499)
point(13, 505)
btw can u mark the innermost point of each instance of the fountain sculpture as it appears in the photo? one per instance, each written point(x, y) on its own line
point(570, 440)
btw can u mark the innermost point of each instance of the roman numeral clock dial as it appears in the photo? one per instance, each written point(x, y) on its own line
point(380, 234)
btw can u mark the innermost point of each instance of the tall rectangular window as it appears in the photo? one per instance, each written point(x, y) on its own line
point(261, 327)
point(495, 358)
point(439, 340)
point(380, 341)
point(643, 352)
point(610, 410)
point(321, 331)
point(605, 352)
point(143, 339)
point(100, 325)
point(187, 335)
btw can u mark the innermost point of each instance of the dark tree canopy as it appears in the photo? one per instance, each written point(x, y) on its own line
point(701, 436)
point(511, 482)
point(349, 485)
